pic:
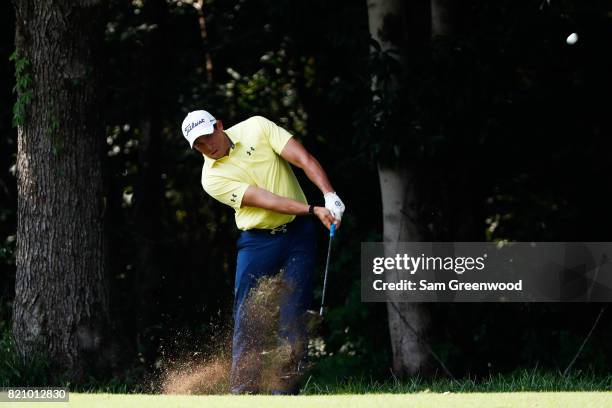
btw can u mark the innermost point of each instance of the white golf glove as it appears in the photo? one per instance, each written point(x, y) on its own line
point(334, 204)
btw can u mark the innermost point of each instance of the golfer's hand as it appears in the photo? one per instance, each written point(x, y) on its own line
point(326, 217)
point(334, 204)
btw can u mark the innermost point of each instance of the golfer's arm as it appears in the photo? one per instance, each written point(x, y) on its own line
point(297, 155)
point(260, 198)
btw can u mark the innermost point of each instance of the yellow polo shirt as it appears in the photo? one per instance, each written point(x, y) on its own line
point(254, 160)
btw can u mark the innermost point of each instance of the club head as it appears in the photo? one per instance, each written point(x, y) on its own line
point(313, 320)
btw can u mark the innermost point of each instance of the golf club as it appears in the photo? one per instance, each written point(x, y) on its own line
point(332, 230)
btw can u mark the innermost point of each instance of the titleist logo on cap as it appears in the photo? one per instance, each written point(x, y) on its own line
point(189, 127)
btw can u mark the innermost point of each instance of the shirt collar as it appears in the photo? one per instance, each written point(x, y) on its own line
point(234, 139)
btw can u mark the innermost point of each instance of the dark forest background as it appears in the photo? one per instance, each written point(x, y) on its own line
point(505, 126)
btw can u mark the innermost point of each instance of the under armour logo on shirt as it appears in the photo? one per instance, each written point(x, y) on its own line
point(252, 149)
point(233, 197)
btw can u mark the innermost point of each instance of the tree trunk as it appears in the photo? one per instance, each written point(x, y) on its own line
point(407, 343)
point(208, 67)
point(388, 22)
point(61, 310)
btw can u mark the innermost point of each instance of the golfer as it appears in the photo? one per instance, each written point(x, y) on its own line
point(247, 167)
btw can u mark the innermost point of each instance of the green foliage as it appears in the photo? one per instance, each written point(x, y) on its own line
point(270, 91)
point(22, 88)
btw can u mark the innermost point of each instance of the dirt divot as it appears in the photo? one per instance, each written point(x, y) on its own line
point(273, 363)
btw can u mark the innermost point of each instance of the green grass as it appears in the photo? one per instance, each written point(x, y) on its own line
point(417, 400)
point(523, 381)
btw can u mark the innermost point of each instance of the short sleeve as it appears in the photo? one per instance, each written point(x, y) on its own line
point(225, 190)
point(276, 135)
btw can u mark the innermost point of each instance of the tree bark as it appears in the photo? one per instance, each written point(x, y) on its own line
point(208, 66)
point(61, 308)
point(407, 334)
point(408, 322)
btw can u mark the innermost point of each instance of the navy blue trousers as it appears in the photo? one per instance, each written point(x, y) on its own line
point(260, 254)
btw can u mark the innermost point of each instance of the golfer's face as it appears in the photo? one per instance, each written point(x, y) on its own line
point(211, 145)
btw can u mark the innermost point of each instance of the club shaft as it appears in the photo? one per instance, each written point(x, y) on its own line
point(331, 237)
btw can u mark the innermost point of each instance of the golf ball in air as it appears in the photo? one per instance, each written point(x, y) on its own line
point(572, 38)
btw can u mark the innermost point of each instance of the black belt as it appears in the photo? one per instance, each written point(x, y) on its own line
point(281, 229)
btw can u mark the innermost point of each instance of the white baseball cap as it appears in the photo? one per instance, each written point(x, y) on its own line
point(196, 124)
